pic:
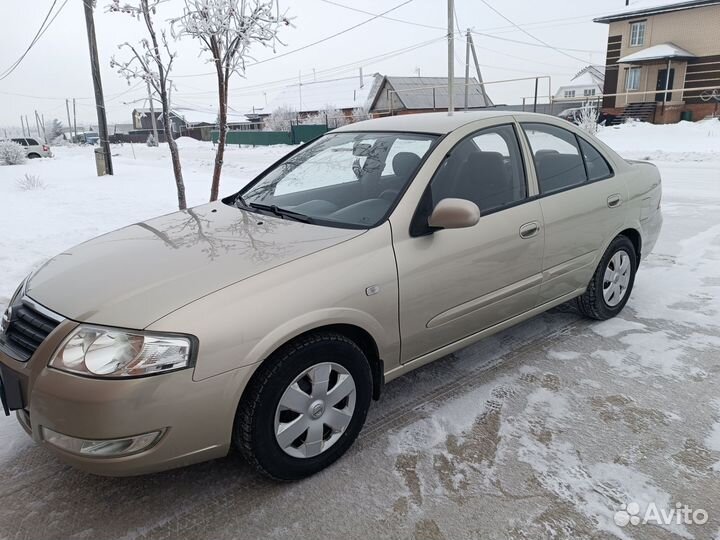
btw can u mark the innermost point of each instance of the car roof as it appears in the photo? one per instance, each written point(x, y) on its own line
point(438, 122)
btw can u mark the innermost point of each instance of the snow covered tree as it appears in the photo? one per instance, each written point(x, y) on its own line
point(56, 129)
point(280, 119)
point(151, 60)
point(227, 30)
point(587, 118)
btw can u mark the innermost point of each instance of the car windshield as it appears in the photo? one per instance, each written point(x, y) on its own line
point(342, 179)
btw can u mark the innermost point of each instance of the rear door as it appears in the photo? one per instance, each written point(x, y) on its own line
point(580, 197)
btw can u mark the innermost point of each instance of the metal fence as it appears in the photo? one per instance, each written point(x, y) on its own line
point(298, 134)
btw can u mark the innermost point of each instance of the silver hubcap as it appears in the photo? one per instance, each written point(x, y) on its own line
point(315, 410)
point(617, 278)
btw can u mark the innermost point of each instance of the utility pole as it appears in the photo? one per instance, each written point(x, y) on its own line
point(477, 68)
point(74, 120)
point(451, 54)
point(22, 125)
point(42, 123)
point(152, 116)
point(37, 124)
point(67, 108)
point(97, 84)
point(467, 67)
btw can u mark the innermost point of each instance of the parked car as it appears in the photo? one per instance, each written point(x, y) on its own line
point(269, 320)
point(33, 148)
point(571, 115)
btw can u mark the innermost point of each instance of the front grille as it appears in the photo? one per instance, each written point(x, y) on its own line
point(27, 330)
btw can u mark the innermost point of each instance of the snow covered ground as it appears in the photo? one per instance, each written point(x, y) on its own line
point(543, 431)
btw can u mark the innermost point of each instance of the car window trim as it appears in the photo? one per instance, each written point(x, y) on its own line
point(413, 230)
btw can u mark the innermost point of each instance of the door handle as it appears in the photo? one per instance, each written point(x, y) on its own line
point(614, 200)
point(529, 229)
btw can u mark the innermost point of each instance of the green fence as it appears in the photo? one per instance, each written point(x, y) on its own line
point(297, 135)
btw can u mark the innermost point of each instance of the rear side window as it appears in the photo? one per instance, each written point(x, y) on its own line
point(32, 142)
point(597, 167)
point(558, 161)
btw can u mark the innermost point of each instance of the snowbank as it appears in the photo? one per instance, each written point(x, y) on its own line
point(684, 141)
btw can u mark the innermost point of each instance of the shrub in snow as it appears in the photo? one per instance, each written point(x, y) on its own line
point(11, 153)
point(151, 141)
point(587, 118)
point(30, 182)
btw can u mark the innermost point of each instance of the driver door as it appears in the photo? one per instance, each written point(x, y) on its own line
point(457, 282)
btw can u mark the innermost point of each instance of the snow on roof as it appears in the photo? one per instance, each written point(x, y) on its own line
point(653, 7)
point(663, 51)
point(345, 93)
point(199, 115)
point(417, 92)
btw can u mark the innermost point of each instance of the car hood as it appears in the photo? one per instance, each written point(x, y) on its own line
point(135, 275)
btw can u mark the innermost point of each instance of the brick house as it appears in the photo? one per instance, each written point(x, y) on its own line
point(666, 59)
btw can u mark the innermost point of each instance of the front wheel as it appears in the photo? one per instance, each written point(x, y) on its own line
point(611, 285)
point(305, 406)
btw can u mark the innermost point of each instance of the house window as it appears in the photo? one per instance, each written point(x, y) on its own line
point(633, 79)
point(569, 93)
point(589, 92)
point(637, 34)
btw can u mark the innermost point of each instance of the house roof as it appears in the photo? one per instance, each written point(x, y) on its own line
point(588, 76)
point(644, 8)
point(432, 92)
point(344, 93)
point(664, 51)
point(199, 115)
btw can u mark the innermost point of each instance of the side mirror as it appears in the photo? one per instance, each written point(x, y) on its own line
point(454, 214)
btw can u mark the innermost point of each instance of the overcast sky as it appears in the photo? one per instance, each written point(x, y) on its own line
point(58, 66)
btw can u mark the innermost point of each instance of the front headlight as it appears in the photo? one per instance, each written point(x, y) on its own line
point(106, 352)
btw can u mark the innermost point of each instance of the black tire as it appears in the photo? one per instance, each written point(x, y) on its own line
point(33, 155)
point(254, 430)
point(592, 303)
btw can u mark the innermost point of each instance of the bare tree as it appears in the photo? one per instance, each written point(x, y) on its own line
point(227, 30)
point(151, 60)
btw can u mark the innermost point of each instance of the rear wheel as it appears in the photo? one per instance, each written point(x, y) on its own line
point(304, 407)
point(611, 285)
point(33, 155)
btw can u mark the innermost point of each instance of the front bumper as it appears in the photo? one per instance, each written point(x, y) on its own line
point(196, 417)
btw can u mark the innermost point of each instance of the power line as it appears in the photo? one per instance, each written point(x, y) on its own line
point(483, 32)
point(545, 43)
point(336, 70)
point(43, 28)
point(332, 36)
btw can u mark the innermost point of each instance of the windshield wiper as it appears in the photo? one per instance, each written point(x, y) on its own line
point(281, 212)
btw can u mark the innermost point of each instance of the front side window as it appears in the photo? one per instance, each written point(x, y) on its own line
point(637, 34)
point(633, 79)
point(342, 179)
point(558, 162)
point(485, 168)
